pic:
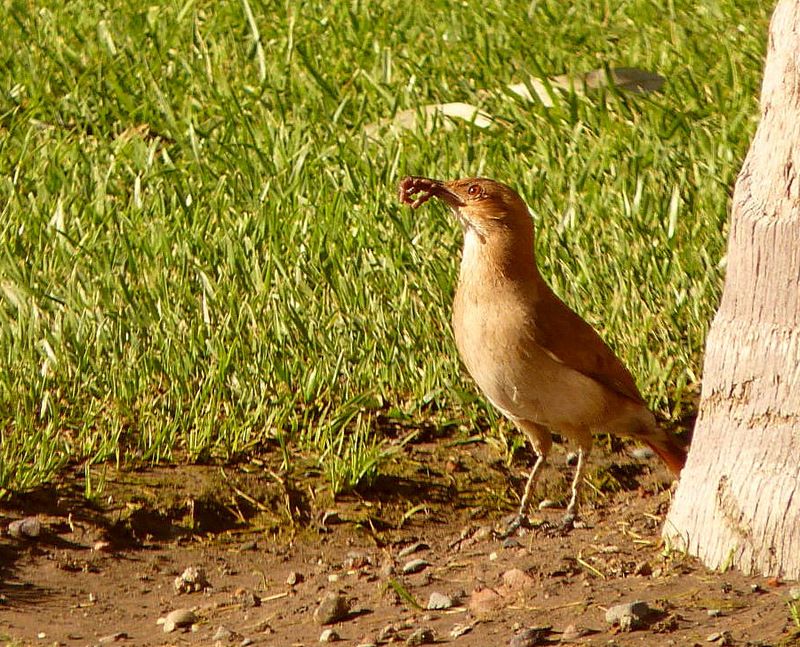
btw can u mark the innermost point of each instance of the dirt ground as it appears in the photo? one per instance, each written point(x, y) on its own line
point(102, 571)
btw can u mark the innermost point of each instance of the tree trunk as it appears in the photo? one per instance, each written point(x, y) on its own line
point(738, 501)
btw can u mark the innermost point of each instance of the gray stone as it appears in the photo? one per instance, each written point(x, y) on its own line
point(413, 548)
point(333, 608)
point(192, 580)
point(421, 636)
point(415, 566)
point(178, 618)
point(328, 636)
point(28, 528)
point(527, 638)
point(628, 616)
point(439, 601)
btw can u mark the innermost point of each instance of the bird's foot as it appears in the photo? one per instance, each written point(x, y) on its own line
point(513, 524)
point(560, 529)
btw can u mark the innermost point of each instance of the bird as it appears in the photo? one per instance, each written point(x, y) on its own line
point(537, 361)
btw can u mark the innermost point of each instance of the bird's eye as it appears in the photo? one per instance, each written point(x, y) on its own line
point(474, 190)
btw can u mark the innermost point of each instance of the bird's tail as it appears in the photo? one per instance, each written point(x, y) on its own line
point(668, 447)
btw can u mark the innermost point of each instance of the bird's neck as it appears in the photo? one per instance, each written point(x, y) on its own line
point(502, 254)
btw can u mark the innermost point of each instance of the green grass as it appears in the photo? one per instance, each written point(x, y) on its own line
point(201, 254)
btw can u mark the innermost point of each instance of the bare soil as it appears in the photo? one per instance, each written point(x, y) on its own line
point(102, 569)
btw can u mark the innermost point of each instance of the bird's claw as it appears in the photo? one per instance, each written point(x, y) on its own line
point(561, 529)
point(515, 523)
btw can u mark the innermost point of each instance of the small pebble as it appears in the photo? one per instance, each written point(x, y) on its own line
point(794, 593)
point(112, 638)
point(421, 636)
point(387, 634)
point(246, 599)
point(29, 528)
point(439, 601)
point(628, 616)
point(573, 633)
point(571, 459)
point(459, 630)
point(294, 578)
point(328, 636)
point(493, 556)
point(714, 613)
point(415, 566)
point(192, 580)
point(527, 638)
point(222, 634)
point(333, 577)
point(515, 580)
point(413, 548)
point(510, 542)
point(355, 560)
point(178, 618)
point(485, 601)
point(333, 608)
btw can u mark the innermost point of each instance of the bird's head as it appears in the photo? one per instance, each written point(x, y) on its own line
point(480, 203)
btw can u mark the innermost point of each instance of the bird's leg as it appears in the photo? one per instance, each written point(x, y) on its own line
point(569, 518)
point(523, 504)
point(529, 486)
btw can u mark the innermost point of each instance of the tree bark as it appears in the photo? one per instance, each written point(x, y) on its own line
point(738, 501)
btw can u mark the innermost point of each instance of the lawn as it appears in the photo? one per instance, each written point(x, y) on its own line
point(202, 256)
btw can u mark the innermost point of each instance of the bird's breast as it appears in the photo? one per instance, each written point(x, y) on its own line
point(494, 328)
point(491, 330)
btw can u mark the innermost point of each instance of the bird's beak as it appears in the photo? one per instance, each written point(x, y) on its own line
point(416, 191)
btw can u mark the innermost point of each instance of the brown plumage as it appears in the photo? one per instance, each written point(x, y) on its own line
point(534, 359)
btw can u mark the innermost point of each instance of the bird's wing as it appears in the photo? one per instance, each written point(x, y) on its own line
point(572, 341)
